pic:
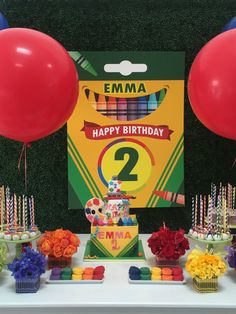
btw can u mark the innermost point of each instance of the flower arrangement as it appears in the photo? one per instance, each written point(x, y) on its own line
point(31, 264)
point(58, 243)
point(205, 265)
point(3, 255)
point(231, 256)
point(168, 244)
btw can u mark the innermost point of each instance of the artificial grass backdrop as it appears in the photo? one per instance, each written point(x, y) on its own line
point(168, 25)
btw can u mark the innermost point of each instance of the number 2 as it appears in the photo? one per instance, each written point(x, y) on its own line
point(125, 173)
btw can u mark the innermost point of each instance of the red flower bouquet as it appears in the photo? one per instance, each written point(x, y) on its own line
point(168, 244)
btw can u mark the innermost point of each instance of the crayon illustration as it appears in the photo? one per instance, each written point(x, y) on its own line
point(122, 109)
point(142, 107)
point(152, 103)
point(102, 104)
point(132, 106)
point(125, 109)
point(171, 196)
point(84, 63)
point(112, 108)
point(91, 98)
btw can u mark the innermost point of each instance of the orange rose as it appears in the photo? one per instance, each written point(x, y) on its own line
point(59, 234)
point(74, 240)
point(69, 250)
point(46, 246)
point(64, 242)
point(57, 250)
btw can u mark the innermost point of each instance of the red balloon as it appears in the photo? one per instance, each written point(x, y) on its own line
point(212, 85)
point(38, 85)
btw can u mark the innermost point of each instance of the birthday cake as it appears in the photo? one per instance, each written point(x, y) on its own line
point(114, 232)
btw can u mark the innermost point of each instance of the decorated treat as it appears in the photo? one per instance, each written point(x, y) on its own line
point(88, 271)
point(156, 277)
point(24, 236)
point(166, 271)
point(78, 271)
point(15, 236)
point(167, 277)
point(145, 277)
point(32, 234)
point(55, 277)
point(145, 270)
point(94, 208)
point(177, 271)
point(98, 277)
point(56, 271)
point(179, 277)
point(77, 277)
point(156, 271)
point(99, 270)
point(212, 215)
point(7, 236)
point(114, 186)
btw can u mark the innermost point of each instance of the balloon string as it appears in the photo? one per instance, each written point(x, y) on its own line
point(24, 151)
point(234, 162)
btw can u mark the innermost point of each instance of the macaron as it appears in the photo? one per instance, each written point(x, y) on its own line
point(56, 271)
point(177, 270)
point(167, 277)
point(77, 277)
point(133, 270)
point(145, 271)
point(134, 276)
point(145, 277)
point(67, 271)
point(87, 277)
point(156, 277)
point(88, 271)
point(99, 270)
point(98, 277)
point(65, 277)
point(55, 277)
point(78, 270)
point(178, 277)
point(166, 271)
point(156, 271)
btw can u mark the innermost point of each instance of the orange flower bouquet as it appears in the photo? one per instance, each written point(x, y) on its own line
point(59, 246)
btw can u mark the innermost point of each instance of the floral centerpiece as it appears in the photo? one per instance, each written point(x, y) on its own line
point(3, 255)
point(59, 246)
point(168, 245)
point(205, 268)
point(231, 256)
point(27, 270)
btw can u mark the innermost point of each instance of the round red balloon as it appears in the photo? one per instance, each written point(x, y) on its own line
point(212, 85)
point(38, 85)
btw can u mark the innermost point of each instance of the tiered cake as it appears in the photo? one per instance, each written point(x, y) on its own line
point(114, 232)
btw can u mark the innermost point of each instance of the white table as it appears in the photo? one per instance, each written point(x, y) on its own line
point(116, 295)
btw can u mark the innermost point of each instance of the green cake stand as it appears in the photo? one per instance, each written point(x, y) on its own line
point(215, 245)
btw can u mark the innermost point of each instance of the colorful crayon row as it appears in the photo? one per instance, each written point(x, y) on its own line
point(125, 109)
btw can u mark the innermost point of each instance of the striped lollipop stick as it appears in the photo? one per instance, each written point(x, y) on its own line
point(196, 204)
point(193, 212)
point(210, 213)
point(11, 214)
point(32, 212)
point(15, 211)
point(26, 211)
point(8, 207)
point(19, 212)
